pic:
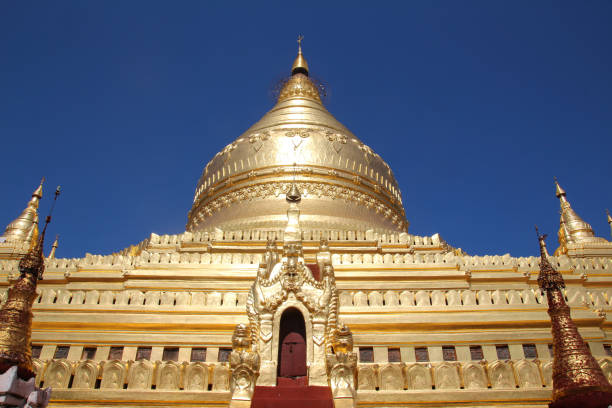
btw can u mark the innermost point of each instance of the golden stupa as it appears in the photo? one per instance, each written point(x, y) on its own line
point(346, 184)
point(297, 230)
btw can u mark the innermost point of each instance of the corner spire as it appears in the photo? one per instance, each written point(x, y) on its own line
point(300, 66)
point(16, 312)
point(24, 228)
point(54, 247)
point(578, 380)
point(609, 220)
point(572, 228)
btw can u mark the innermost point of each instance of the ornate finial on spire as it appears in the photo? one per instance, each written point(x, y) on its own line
point(559, 191)
point(577, 377)
point(34, 262)
point(24, 228)
point(300, 66)
point(572, 228)
point(548, 278)
point(16, 313)
point(54, 247)
point(39, 191)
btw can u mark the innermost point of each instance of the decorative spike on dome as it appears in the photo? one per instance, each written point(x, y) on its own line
point(300, 66)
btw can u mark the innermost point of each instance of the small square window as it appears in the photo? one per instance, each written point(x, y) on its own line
point(449, 353)
point(607, 349)
point(224, 354)
point(143, 353)
point(476, 353)
point(115, 353)
point(421, 354)
point(366, 354)
point(198, 354)
point(36, 351)
point(503, 352)
point(88, 353)
point(170, 354)
point(61, 352)
point(530, 351)
point(394, 355)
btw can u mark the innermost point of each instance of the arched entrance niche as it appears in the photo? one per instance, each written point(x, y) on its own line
point(292, 347)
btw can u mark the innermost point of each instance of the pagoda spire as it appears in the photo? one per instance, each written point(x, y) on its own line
point(300, 66)
point(24, 228)
point(16, 313)
point(572, 228)
point(54, 247)
point(578, 380)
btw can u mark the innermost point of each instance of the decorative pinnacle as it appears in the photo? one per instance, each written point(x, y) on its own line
point(548, 278)
point(54, 247)
point(33, 262)
point(39, 191)
point(542, 241)
point(609, 217)
point(559, 192)
point(300, 66)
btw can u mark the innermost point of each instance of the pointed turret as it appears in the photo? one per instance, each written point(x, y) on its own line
point(16, 312)
point(609, 220)
point(54, 247)
point(578, 380)
point(299, 85)
point(572, 228)
point(300, 66)
point(25, 227)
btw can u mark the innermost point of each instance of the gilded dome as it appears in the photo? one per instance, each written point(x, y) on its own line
point(344, 183)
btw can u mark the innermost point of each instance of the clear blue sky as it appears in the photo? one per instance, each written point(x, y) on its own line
point(475, 105)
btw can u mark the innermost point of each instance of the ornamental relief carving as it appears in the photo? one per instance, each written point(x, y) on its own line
point(337, 140)
point(367, 151)
point(113, 375)
point(196, 377)
point(257, 139)
point(140, 376)
point(85, 375)
point(298, 135)
point(319, 190)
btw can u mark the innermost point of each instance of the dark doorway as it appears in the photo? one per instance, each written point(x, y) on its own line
point(292, 348)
